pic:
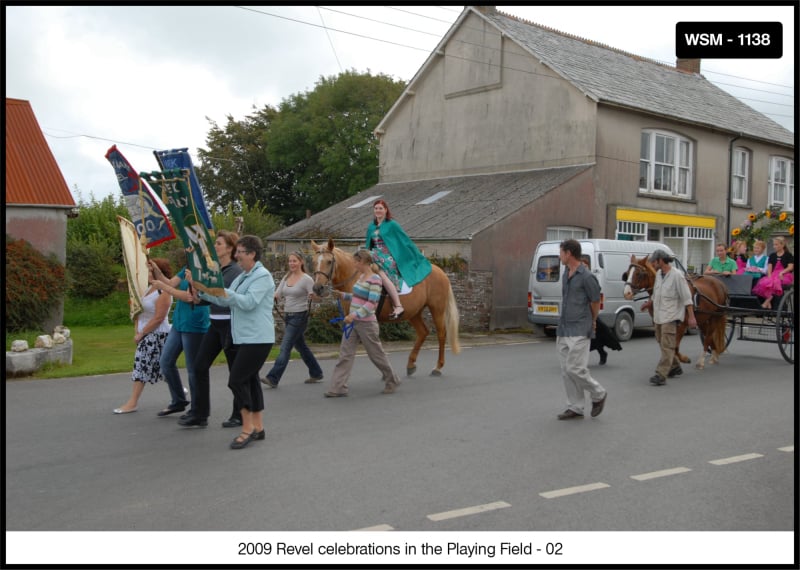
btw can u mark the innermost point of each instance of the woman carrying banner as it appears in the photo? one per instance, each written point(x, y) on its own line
point(250, 299)
point(152, 327)
point(189, 323)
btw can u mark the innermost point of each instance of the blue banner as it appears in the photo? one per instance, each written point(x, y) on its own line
point(146, 214)
point(179, 158)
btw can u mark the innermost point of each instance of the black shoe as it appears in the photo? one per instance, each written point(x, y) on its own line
point(232, 422)
point(259, 435)
point(674, 371)
point(603, 357)
point(170, 410)
point(242, 440)
point(186, 416)
point(569, 415)
point(192, 421)
point(657, 380)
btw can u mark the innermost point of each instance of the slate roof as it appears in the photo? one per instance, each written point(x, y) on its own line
point(473, 204)
point(32, 174)
point(615, 77)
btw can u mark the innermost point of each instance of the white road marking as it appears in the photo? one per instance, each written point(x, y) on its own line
point(736, 459)
point(787, 449)
point(376, 527)
point(573, 490)
point(662, 473)
point(468, 511)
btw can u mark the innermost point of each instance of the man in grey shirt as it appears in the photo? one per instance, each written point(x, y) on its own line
point(580, 303)
point(671, 302)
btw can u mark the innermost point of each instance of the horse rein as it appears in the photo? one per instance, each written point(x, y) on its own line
point(330, 285)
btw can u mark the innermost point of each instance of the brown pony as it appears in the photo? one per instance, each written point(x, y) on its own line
point(710, 300)
point(335, 269)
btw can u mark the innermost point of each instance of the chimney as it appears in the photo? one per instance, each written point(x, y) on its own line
point(688, 65)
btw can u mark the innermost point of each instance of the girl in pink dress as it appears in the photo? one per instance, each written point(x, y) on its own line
point(780, 272)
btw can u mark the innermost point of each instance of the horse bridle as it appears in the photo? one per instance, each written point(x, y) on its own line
point(330, 285)
point(637, 267)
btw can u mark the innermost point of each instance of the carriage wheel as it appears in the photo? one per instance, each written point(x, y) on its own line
point(784, 326)
point(730, 329)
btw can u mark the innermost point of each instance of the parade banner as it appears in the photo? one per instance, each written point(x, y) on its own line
point(150, 221)
point(201, 257)
point(179, 158)
point(135, 257)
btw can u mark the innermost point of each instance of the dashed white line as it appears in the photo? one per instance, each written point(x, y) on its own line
point(736, 459)
point(662, 473)
point(376, 527)
point(468, 511)
point(787, 449)
point(573, 490)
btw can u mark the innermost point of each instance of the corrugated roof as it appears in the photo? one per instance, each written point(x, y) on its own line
point(612, 76)
point(467, 209)
point(32, 174)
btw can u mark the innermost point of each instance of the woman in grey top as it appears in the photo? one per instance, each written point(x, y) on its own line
point(296, 290)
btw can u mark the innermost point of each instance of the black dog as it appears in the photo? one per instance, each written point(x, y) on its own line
point(604, 337)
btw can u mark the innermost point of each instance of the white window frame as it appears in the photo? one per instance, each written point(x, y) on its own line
point(740, 176)
point(666, 161)
point(781, 182)
point(561, 233)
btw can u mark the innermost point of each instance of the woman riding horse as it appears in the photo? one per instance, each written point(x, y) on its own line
point(333, 268)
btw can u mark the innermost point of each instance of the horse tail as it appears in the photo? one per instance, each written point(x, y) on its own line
point(451, 320)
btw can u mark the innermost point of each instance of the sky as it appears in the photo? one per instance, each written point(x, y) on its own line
point(151, 78)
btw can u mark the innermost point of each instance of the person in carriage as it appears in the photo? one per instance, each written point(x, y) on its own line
point(780, 272)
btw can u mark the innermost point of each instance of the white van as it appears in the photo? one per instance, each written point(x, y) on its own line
point(609, 260)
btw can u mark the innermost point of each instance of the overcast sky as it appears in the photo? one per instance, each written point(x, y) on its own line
point(146, 78)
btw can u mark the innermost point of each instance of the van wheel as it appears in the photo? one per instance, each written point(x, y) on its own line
point(550, 331)
point(623, 326)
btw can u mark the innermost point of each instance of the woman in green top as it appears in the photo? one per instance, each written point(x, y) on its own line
point(721, 264)
point(397, 257)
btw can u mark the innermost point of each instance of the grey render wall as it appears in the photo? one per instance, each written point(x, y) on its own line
point(464, 118)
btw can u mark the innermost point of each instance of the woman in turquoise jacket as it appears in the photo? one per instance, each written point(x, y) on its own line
point(399, 260)
point(250, 299)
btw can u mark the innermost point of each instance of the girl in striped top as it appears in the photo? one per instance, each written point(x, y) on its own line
point(363, 302)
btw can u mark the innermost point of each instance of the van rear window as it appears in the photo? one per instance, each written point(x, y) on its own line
point(547, 270)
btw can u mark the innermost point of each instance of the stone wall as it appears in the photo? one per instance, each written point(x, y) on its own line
point(473, 292)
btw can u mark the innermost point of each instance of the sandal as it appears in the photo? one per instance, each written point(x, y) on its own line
point(239, 443)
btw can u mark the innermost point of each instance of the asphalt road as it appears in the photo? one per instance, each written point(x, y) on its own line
point(478, 449)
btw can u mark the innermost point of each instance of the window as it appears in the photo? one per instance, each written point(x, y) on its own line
point(665, 164)
point(547, 269)
point(631, 231)
point(781, 183)
point(561, 233)
point(365, 201)
point(740, 175)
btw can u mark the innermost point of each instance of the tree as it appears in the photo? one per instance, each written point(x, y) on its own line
point(315, 150)
point(325, 138)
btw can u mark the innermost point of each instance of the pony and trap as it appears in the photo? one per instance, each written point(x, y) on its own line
point(723, 304)
point(333, 268)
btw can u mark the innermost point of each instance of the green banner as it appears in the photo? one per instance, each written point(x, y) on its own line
point(198, 240)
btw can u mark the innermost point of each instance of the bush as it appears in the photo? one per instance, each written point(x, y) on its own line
point(91, 268)
point(35, 285)
point(320, 330)
point(97, 220)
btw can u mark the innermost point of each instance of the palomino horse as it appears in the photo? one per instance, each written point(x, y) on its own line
point(335, 269)
point(710, 297)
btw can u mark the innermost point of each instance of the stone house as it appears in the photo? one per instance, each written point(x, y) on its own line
point(38, 201)
point(512, 133)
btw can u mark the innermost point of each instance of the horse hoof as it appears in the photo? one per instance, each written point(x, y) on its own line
point(410, 371)
point(436, 372)
point(699, 366)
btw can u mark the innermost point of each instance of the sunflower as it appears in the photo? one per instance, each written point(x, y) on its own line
point(751, 217)
point(782, 217)
point(736, 231)
point(791, 230)
point(768, 213)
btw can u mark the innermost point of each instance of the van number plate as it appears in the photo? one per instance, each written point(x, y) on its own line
point(546, 308)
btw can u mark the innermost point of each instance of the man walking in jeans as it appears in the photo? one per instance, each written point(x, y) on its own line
point(671, 301)
point(580, 303)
